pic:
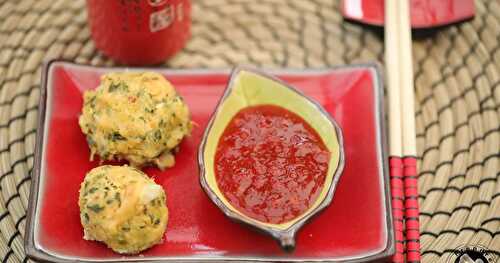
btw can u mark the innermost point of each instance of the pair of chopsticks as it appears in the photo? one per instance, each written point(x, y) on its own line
point(402, 137)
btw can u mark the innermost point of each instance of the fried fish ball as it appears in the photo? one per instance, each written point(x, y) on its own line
point(122, 207)
point(135, 116)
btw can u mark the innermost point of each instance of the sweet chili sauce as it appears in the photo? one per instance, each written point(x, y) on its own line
point(270, 164)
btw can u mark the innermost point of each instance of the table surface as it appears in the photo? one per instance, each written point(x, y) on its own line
point(457, 75)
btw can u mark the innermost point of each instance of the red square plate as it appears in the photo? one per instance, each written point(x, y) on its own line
point(424, 13)
point(356, 226)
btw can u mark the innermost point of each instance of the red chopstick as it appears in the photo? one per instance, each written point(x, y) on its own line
point(398, 208)
point(395, 137)
point(402, 137)
point(412, 227)
point(410, 181)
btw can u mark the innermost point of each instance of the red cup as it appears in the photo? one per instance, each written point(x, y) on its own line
point(139, 32)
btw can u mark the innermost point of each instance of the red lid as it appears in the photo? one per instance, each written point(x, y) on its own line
point(424, 13)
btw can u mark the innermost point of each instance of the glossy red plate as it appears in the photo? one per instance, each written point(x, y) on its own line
point(356, 226)
point(424, 13)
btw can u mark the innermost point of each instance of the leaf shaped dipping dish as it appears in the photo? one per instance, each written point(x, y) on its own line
point(250, 87)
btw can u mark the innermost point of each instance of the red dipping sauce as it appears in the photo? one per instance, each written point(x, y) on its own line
point(270, 164)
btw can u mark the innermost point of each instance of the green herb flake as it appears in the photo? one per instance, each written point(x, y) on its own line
point(118, 199)
point(113, 87)
point(156, 202)
point(121, 86)
point(90, 141)
point(91, 102)
point(93, 190)
point(151, 218)
point(99, 176)
point(157, 135)
point(95, 208)
point(86, 216)
point(116, 136)
point(124, 87)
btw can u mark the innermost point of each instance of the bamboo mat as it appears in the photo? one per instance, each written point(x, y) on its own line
point(457, 96)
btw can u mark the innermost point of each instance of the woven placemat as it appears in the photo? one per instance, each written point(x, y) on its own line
point(457, 96)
